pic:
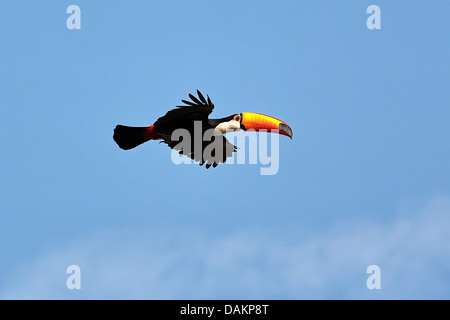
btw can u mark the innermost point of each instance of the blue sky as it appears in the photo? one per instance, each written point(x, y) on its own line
point(366, 179)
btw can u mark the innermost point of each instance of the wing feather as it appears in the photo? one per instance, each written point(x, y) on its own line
point(202, 98)
point(192, 110)
point(225, 148)
point(184, 117)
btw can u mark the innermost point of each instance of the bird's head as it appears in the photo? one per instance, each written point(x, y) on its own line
point(249, 121)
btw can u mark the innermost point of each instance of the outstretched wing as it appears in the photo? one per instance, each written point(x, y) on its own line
point(184, 116)
point(212, 153)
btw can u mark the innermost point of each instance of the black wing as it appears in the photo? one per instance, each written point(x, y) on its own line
point(214, 151)
point(184, 116)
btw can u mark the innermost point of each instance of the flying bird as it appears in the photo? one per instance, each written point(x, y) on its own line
point(193, 118)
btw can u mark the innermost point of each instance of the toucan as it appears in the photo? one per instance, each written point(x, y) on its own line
point(194, 116)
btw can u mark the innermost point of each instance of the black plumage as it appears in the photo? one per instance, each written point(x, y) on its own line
point(184, 117)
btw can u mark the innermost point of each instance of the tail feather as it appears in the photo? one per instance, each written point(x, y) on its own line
point(129, 137)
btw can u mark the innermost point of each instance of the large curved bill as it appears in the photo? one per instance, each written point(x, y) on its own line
point(261, 122)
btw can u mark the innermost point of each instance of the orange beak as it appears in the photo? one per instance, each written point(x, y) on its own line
point(260, 122)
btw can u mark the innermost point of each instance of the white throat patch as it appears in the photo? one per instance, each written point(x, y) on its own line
point(229, 126)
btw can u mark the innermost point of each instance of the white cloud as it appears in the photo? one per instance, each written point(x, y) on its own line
point(413, 252)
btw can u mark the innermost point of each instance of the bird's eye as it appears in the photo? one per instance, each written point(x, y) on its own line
point(237, 118)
